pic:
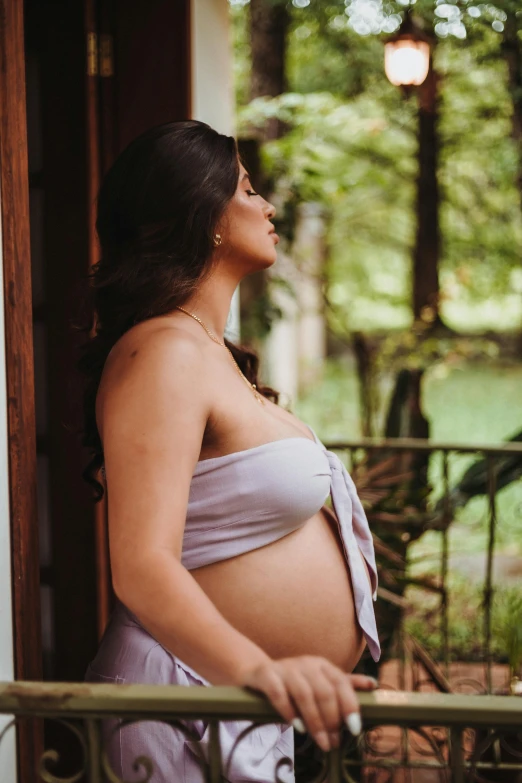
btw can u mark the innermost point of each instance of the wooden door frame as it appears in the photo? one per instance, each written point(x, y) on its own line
point(21, 425)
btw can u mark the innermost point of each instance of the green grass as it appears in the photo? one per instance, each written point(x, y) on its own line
point(331, 407)
point(466, 622)
point(470, 403)
point(474, 403)
point(477, 404)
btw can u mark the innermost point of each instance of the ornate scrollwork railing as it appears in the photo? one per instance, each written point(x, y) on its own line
point(454, 737)
point(394, 477)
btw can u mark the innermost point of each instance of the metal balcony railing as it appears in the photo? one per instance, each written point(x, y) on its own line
point(449, 737)
point(495, 467)
point(408, 737)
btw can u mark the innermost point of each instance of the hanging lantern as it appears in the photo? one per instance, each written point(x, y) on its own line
point(407, 54)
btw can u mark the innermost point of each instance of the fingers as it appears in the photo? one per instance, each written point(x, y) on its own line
point(313, 695)
point(361, 682)
point(316, 700)
point(272, 684)
point(348, 702)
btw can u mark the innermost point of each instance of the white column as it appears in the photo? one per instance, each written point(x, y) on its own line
point(213, 99)
point(281, 349)
point(8, 744)
point(295, 349)
point(309, 255)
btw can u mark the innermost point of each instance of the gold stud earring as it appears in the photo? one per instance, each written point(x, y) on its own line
point(217, 240)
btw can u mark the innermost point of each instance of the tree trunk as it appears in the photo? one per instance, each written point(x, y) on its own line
point(253, 288)
point(268, 21)
point(426, 253)
point(365, 351)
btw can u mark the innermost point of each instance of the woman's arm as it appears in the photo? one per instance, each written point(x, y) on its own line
point(177, 612)
point(155, 407)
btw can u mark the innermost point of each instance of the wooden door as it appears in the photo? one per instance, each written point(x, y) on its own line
point(55, 54)
point(77, 118)
point(21, 426)
point(91, 103)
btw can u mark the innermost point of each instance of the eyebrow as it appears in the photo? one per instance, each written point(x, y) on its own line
point(245, 176)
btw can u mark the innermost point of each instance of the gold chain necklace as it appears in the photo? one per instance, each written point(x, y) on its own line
point(212, 336)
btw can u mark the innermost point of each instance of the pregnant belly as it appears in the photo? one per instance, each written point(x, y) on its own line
point(293, 596)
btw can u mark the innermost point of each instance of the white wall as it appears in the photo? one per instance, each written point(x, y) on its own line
point(212, 76)
point(8, 745)
point(213, 85)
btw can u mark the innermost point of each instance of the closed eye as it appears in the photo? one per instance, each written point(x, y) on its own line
point(252, 193)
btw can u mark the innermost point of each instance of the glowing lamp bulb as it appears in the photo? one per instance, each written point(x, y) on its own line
point(406, 61)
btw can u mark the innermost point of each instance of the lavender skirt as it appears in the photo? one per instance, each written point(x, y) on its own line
point(129, 654)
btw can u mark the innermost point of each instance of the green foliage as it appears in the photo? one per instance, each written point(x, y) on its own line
point(508, 625)
point(331, 406)
point(466, 621)
point(414, 349)
point(350, 158)
point(325, 55)
point(352, 146)
point(241, 48)
point(481, 218)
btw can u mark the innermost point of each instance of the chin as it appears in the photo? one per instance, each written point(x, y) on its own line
point(270, 261)
point(260, 263)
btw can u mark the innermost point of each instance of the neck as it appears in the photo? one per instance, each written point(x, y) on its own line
point(211, 303)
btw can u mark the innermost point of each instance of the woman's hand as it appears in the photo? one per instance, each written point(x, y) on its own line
point(312, 694)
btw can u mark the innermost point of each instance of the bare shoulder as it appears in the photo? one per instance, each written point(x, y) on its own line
point(153, 345)
point(150, 367)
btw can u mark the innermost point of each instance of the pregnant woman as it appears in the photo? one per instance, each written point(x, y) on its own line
point(226, 564)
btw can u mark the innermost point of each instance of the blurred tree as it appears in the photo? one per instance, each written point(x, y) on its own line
point(268, 24)
point(359, 158)
point(504, 17)
point(351, 145)
point(512, 52)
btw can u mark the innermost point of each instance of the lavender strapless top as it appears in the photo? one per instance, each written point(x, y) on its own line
point(247, 499)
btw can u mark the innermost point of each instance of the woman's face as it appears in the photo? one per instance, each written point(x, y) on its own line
point(248, 238)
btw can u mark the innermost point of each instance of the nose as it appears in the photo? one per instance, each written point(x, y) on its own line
point(270, 210)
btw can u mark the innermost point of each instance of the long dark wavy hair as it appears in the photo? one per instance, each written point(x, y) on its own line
point(157, 213)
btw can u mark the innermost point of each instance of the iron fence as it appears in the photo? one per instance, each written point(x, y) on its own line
point(406, 736)
point(494, 468)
